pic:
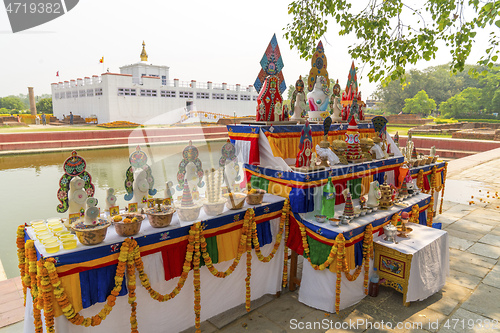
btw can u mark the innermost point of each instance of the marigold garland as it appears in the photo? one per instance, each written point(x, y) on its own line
point(41, 276)
point(196, 277)
point(338, 251)
point(443, 180)
point(420, 180)
point(415, 212)
point(285, 257)
point(21, 258)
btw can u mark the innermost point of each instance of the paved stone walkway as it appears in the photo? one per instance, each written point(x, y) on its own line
point(471, 295)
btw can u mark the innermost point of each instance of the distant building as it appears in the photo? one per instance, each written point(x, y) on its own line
point(143, 93)
point(373, 104)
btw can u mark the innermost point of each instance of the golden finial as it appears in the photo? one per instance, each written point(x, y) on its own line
point(144, 55)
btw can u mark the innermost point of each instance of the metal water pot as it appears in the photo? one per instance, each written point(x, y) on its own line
point(390, 232)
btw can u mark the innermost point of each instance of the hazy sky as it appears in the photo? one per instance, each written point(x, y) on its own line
point(218, 41)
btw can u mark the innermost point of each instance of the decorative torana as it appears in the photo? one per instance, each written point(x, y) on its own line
point(352, 105)
point(189, 154)
point(271, 64)
point(74, 166)
point(138, 160)
point(318, 67)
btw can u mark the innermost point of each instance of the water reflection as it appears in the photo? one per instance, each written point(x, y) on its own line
point(29, 183)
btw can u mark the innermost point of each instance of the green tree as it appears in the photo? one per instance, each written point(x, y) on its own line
point(392, 34)
point(44, 105)
point(465, 104)
point(12, 103)
point(420, 104)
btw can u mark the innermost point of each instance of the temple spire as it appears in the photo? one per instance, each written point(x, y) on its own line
point(144, 55)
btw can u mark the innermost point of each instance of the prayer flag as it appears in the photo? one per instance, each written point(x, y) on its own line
point(101, 60)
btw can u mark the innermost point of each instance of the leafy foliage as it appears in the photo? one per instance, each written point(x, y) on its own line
point(466, 102)
point(44, 105)
point(392, 34)
point(420, 104)
point(440, 85)
point(12, 103)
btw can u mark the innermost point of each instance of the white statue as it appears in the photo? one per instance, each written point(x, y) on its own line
point(141, 187)
point(433, 151)
point(374, 194)
point(92, 212)
point(327, 153)
point(299, 101)
point(377, 149)
point(319, 99)
point(76, 196)
point(337, 111)
point(110, 198)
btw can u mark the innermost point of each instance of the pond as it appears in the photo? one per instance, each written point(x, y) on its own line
point(29, 183)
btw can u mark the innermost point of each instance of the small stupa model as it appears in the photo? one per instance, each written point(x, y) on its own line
point(348, 207)
point(354, 153)
point(188, 209)
point(403, 191)
point(339, 148)
point(385, 201)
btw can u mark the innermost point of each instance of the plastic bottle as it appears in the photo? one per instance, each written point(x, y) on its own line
point(373, 285)
point(328, 200)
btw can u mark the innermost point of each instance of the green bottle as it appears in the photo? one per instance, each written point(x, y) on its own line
point(328, 200)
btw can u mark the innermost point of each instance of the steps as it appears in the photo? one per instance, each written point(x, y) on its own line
point(67, 140)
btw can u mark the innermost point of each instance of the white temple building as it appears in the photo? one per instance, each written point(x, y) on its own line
point(143, 93)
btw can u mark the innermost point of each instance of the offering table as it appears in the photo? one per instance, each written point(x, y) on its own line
point(317, 287)
point(416, 266)
point(87, 272)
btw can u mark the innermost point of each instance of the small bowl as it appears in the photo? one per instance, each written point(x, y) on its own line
point(374, 209)
point(52, 247)
point(334, 222)
point(160, 219)
point(35, 222)
point(238, 198)
point(188, 214)
point(61, 233)
point(91, 235)
point(255, 198)
point(128, 229)
point(320, 218)
point(49, 220)
point(67, 237)
point(213, 208)
point(44, 236)
point(363, 211)
point(69, 244)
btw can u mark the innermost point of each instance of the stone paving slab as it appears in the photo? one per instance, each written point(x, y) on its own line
point(470, 226)
point(491, 240)
point(459, 243)
point(455, 292)
point(484, 301)
point(459, 323)
point(493, 278)
point(463, 279)
point(459, 210)
point(485, 250)
point(458, 265)
point(471, 258)
point(285, 308)
point(472, 236)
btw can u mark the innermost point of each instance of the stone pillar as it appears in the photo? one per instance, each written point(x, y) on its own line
point(31, 94)
point(176, 82)
point(209, 84)
point(193, 83)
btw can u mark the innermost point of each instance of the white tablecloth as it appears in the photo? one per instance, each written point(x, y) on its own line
point(217, 296)
point(429, 269)
point(430, 262)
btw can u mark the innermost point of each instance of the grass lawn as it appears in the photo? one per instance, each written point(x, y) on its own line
point(404, 131)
